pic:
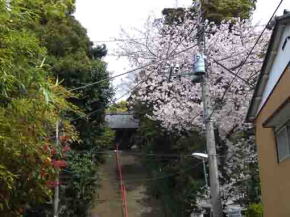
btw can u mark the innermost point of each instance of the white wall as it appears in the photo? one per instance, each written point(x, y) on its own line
point(281, 61)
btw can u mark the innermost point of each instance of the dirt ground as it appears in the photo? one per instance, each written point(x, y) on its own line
point(108, 203)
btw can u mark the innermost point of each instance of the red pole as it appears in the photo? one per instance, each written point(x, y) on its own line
point(125, 201)
point(122, 186)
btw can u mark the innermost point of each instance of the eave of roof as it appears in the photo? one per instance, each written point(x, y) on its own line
point(280, 23)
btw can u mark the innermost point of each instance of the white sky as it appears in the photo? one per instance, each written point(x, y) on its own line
point(104, 19)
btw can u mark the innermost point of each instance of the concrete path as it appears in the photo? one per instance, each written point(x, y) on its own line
point(108, 202)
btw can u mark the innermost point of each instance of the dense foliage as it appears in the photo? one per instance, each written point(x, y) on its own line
point(178, 177)
point(255, 210)
point(219, 10)
point(121, 106)
point(42, 50)
point(31, 103)
point(76, 62)
point(214, 11)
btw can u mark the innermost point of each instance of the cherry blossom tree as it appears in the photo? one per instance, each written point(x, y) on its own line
point(165, 84)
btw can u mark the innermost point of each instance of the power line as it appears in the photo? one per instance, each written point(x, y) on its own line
point(163, 177)
point(112, 152)
point(133, 70)
point(244, 62)
point(97, 110)
point(88, 115)
point(231, 72)
point(145, 154)
point(113, 77)
point(156, 155)
point(116, 40)
point(132, 180)
point(258, 39)
point(127, 92)
point(134, 88)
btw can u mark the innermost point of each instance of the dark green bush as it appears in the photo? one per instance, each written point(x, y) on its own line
point(255, 210)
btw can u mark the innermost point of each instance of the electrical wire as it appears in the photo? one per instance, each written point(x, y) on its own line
point(186, 49)
point(113, 77)
point(119, 40)
point(97, 110)
point(136, 180)
point(126, 93)
point(231, 72)
point(129, 91)
point(165, 176)
point(87, 115)
point(144, 154)
point(260, 36)
point(244, 62)
point(135, 87)
point(132, 70)
point(112, 152)
point(142, 180)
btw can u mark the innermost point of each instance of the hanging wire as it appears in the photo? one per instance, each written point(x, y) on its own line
point(245, 61)
point(133, 70)
point(136, 180)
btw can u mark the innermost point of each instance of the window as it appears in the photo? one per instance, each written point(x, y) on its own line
point(280, 122)
point(283, 142)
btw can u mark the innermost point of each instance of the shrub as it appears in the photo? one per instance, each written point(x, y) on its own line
point(255, 210)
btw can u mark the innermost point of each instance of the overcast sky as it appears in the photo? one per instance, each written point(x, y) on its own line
point(104, 19)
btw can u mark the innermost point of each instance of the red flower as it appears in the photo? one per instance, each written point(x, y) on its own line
point(43, 173)
point(52, 184)
point(64, 139)
point(66, 148)
point(59, 163)
point(53, 151)
point(46, 148)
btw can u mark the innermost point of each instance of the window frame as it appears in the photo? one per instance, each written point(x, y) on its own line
point(278, 130)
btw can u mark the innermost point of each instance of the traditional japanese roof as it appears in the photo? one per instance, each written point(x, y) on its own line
point(275, 41)
point(121, 120)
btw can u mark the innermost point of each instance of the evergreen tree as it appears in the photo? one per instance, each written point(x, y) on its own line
point(76, 62)
point(214, 10)
point(218, 10)
point(41, 46)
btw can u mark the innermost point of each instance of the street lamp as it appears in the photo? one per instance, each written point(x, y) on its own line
point(202, 156)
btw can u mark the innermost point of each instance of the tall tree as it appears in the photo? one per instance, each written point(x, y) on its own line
point(214, 11)
point(76, 62)
point(31, 103)
point(42, 45)
point(218, 10)
point(176, 102)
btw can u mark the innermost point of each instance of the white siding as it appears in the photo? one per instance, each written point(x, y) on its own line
point(281, 61)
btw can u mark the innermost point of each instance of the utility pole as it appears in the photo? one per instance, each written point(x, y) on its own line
point(56, 188)
point(205, 173)
point(216, 205)
point(211, 149)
